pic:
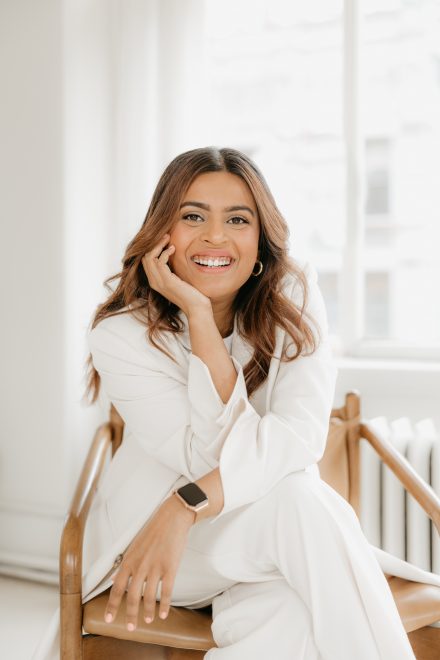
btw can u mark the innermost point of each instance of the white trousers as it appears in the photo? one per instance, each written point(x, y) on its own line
point(291, 575)
point(295, 577)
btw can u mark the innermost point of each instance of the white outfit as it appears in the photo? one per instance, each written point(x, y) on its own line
point(285, 563)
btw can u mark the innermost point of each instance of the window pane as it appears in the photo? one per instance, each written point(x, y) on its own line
point(401, 102)
point(377, 169)
point(328, 282)
point(275, 92)
point(377, 299)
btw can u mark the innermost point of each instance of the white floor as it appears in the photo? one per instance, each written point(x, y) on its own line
point(25, 610)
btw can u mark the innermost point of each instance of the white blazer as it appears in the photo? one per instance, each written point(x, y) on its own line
point(177, 428)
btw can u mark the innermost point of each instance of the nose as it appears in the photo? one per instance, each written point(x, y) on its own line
point(214, 231)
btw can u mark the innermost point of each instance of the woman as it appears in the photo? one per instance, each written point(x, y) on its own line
point(213, 348)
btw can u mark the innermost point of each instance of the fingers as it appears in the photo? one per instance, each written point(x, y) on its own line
point(155, 252)
point(165, 254)
point(134, 595)
point(115, 596)
point(153, 260)
point(165, 595)
point(150, 597)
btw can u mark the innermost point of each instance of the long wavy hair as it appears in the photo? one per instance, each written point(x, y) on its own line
point(259, 304)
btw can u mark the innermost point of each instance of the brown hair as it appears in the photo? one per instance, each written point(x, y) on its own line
point(259, 304)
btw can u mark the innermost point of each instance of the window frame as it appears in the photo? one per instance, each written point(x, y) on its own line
point(351, 286)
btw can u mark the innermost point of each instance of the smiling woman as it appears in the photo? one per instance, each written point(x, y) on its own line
point(215, 489)
point(213, 203)
point(202, 239)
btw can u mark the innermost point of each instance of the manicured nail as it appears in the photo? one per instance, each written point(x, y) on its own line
point(148, 619)
point(108, 617)
point(163, 615)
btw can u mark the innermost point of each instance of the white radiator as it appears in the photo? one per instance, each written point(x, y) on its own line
point(391, 518)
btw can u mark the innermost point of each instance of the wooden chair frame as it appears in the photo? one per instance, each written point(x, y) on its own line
point(75, 646)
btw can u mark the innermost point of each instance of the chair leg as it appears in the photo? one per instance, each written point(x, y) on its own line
point(425, 643)
point(96, 647)
point(71, 626)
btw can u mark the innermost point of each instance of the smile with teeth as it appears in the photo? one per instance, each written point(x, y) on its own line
point(212, 262)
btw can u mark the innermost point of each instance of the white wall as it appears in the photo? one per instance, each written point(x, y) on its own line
point(33, 279)
point(83, 85)
point(393, 388)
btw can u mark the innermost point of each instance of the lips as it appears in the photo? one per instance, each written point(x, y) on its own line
point(212, 255)
point(199, 256)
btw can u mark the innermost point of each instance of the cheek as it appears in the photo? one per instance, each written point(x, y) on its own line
point(249, 251)
point(177, 259)
point(178, 239)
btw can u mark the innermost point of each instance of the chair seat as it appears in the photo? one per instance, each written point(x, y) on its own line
point(418, 603)
point(183, 628)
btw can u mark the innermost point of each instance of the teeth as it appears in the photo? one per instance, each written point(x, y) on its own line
point(222, 261)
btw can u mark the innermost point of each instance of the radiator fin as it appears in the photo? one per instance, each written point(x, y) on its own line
point(391, 518)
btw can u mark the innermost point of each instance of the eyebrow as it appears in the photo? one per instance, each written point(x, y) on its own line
point(208, 208)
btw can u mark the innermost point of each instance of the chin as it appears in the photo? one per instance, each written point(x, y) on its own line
point(214, 290)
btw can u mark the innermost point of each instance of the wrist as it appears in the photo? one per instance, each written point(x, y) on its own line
point(201, 311)
point(181, 510)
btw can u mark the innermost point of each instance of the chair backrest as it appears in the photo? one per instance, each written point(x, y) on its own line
point(117, 425)
point(339, 466)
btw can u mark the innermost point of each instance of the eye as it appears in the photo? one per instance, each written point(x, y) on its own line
point(189, 216)
point(237, 217)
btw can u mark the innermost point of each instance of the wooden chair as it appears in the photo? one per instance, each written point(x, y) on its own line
point(186, 634)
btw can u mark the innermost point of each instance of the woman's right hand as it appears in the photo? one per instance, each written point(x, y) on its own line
point(153, 556)
point(172, 287)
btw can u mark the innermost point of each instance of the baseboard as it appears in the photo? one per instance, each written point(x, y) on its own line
point(43, 576)
point(30, 542)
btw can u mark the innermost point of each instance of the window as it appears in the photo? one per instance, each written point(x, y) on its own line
point(339, 104)
point(377, 172)
point(377, 305)
point(400, 128)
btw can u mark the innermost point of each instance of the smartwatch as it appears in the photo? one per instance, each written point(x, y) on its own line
point(192, 496)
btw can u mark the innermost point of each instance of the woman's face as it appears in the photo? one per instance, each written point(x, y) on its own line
point(206, 228)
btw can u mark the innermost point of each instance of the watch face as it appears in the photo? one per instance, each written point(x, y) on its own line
point(192, 494)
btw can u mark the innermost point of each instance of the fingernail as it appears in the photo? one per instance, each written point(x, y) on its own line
point(130, 626)
point(148, 619)
point(108, 617)
point(162, 615)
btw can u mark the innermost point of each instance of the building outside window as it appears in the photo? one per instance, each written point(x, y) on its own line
point(276, 91)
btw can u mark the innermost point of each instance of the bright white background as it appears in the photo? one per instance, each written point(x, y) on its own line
point(340, 108)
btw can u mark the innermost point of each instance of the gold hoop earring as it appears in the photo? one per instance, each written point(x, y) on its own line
point(261, 268)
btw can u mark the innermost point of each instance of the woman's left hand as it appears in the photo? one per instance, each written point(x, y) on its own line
point(153, 555)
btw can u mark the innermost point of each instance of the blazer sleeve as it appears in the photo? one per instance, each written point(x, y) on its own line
point(176, 421)
point(184, 424)
point(255, 452)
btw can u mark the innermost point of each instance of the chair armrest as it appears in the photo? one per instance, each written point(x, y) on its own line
point(71, 545)
point(405, 473)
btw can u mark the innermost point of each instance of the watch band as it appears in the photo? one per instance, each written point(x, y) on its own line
point(182, 501)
